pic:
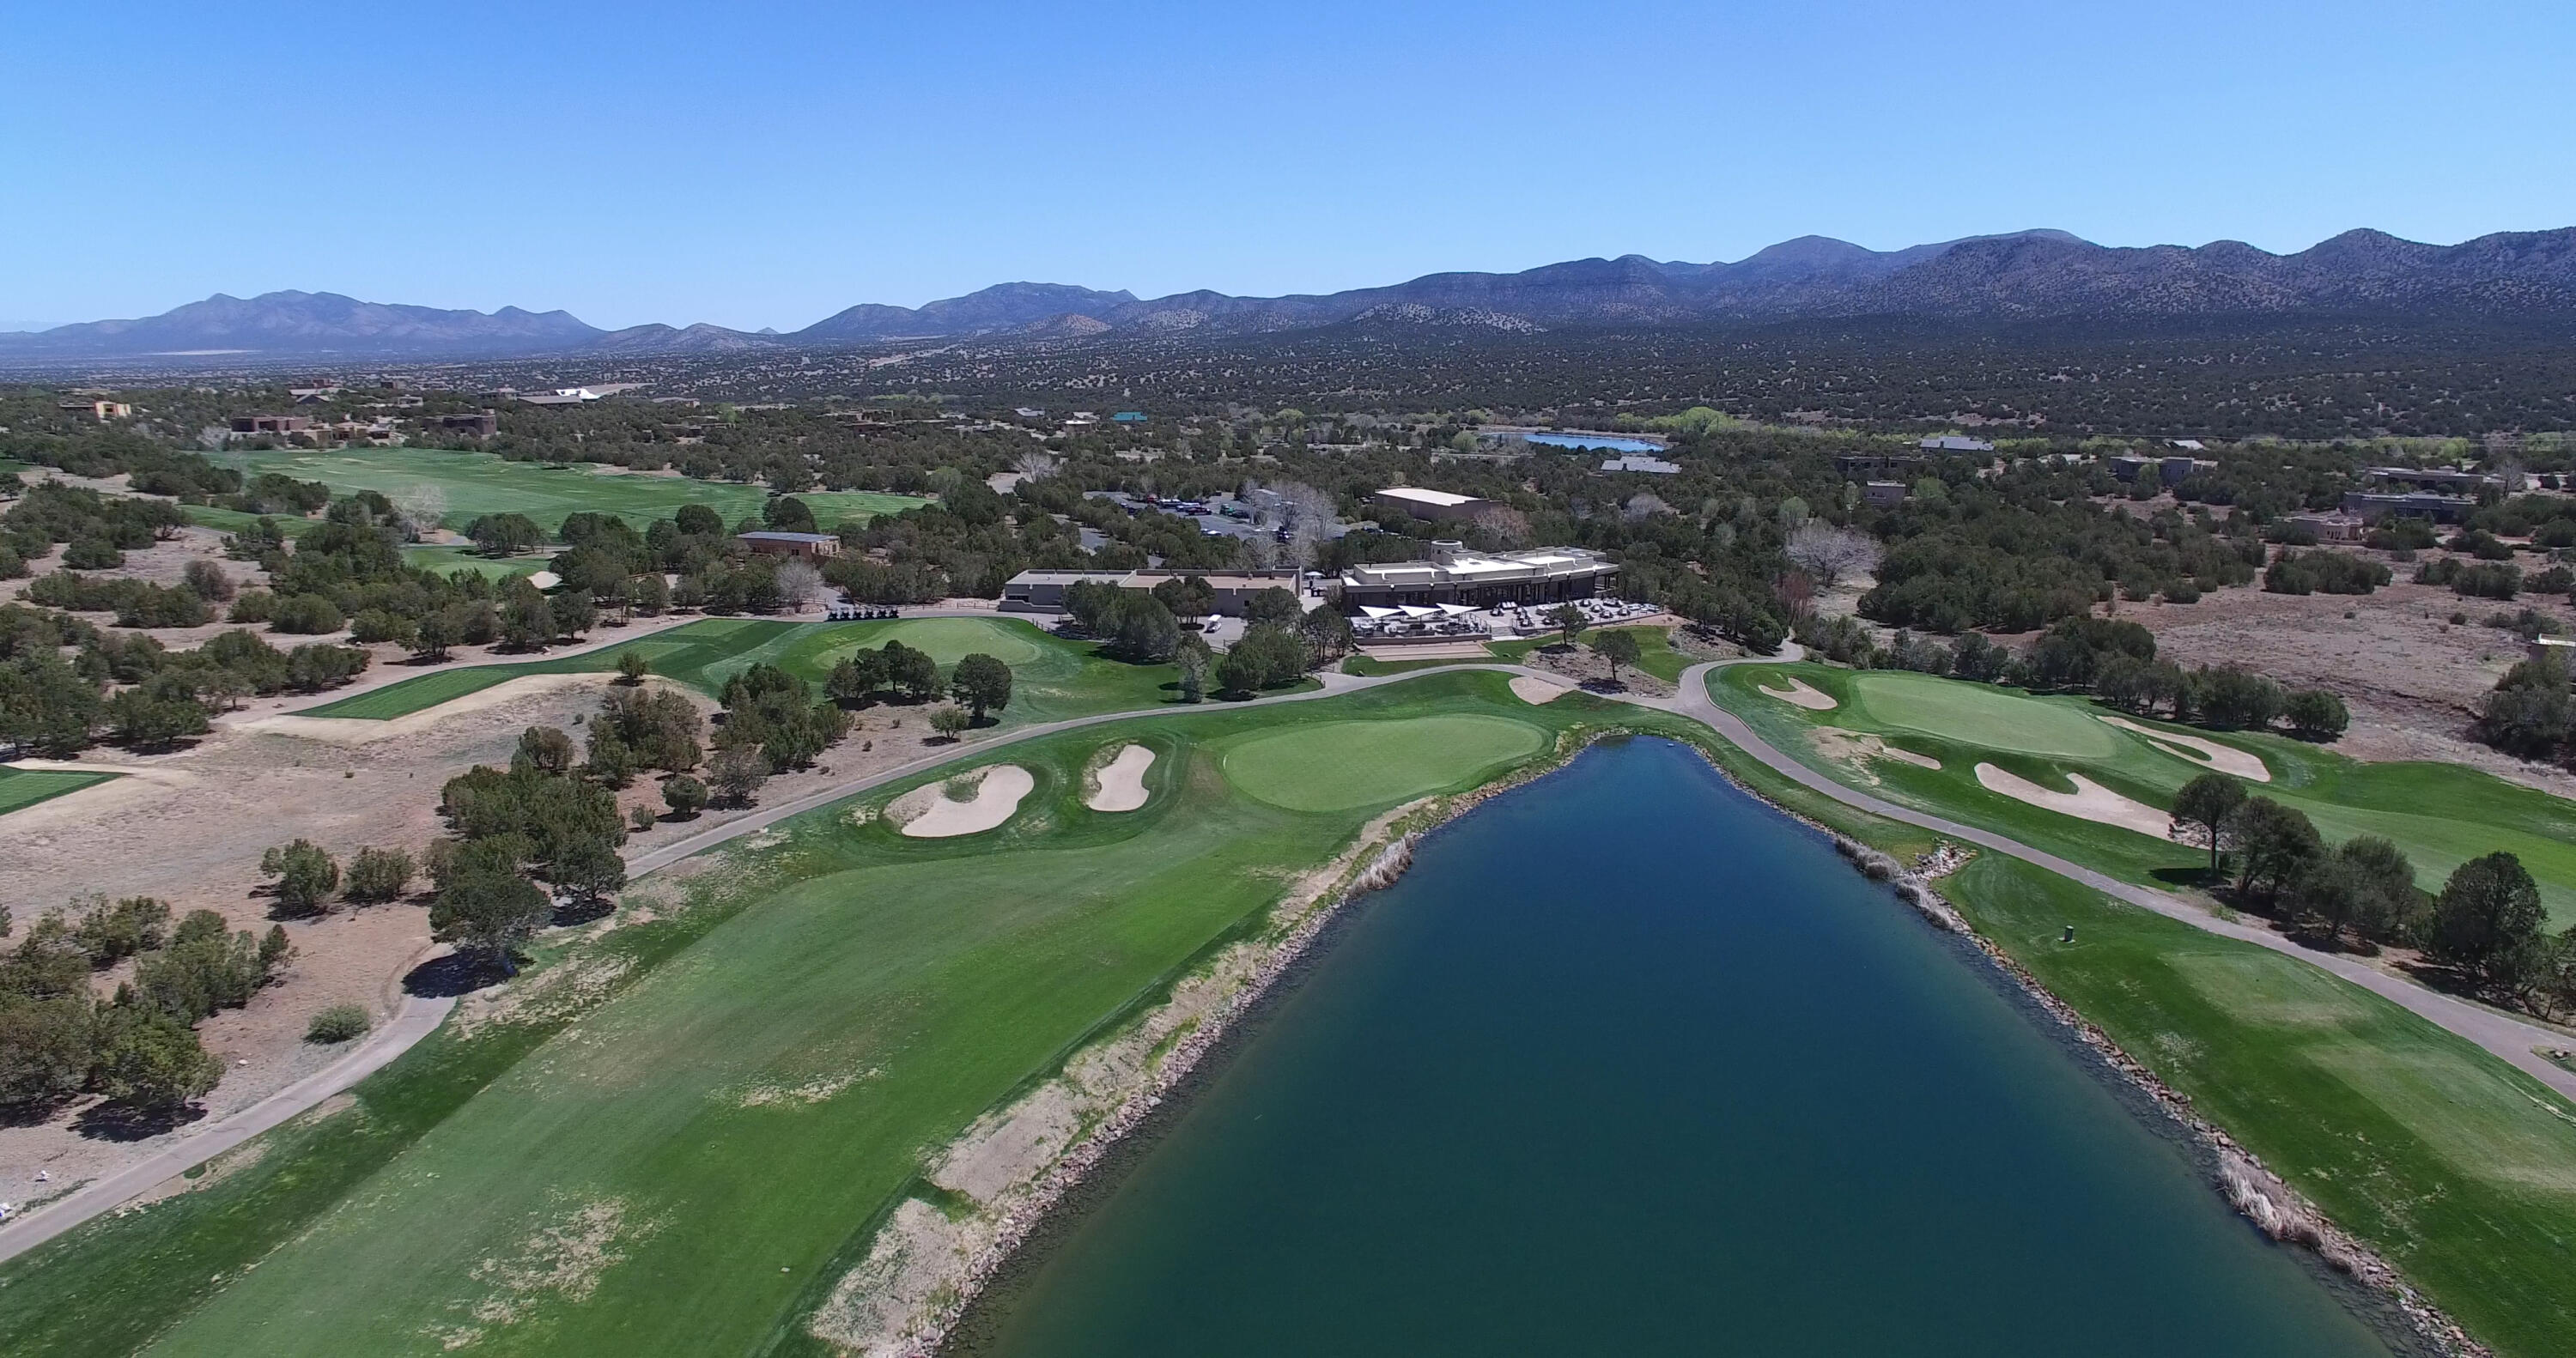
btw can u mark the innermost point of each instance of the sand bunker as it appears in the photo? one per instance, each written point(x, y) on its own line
point(931, 812)
point(1799, 694)
point(1120, 783)
point(2089, 801)
point(2224, 758)
point(1529, 688)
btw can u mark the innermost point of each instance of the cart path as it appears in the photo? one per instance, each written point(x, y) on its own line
point(2506, 1037)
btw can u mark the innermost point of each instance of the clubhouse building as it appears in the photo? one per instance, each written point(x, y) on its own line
point(1455, 575)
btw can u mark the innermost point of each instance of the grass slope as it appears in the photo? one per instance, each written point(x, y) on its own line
point(2441, 814)
point(484, 483)
point(1052, 677)
point(23, 788)
point(676, 1144)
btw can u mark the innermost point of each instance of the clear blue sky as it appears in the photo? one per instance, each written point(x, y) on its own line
point(768, 163)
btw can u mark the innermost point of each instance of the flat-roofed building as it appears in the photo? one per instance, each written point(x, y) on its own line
point(2440, 478)
point(767, 543)
point(2421, 504)
point(2330, 527)
point(1884, 494)
point(1044, 591)
point(1436, 505)
point(1455, 575)
point(271, 424)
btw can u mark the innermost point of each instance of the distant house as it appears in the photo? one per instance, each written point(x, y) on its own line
point(1884, 494)
point(1851, 465)
point(101, 411)
point(808, 545)
point(2330, 527)
point(1436, 505)
point(2439, 478)
point(1641, 462)
point(1028, 412)
point(1954, 443)
point(481, 424)
point(2419, 504)
point(1129, 417)
point(271, 424)
point(2170, 471)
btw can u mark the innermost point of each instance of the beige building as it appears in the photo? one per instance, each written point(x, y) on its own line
point(1455, 575)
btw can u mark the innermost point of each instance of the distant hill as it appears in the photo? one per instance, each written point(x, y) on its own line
point(2025, 275)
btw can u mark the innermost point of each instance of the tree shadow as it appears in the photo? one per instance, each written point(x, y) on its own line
point(2200, 878)
point(579, 911)
point(453, 975)
point(124, 1122)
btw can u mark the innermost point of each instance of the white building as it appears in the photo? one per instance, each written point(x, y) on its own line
point(1455, 575)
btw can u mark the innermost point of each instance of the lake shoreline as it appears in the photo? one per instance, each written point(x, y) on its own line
point(944, 1258)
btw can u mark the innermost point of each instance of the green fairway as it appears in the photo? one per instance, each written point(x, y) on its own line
point(2458, 1168)
point(475, 484)
point(1052, 677)
point(2441, 814)
point(1343, 764)
point(682, 1139)
point(21, 788)
point(1980, 714)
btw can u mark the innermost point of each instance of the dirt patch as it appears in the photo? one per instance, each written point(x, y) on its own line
point(1799, 694)
point(970, 803)
point(2411, 678)
point(1119, 785)
point(1530, 688)
point(562, 1258)
point(1586, 667)
point(2226, 759)
point(2089, 801)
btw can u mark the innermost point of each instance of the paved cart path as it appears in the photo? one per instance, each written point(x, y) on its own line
point(2507, 1037)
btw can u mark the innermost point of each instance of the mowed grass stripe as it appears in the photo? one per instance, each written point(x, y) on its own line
point(23, 788)
point(717, 1134)
point(1354, 763)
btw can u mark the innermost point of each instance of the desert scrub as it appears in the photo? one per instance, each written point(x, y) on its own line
point(338, 1023)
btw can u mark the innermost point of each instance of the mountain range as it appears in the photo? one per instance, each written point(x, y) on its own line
point(2027, 275)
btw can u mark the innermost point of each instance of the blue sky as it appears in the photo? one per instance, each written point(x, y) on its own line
point(768, 163)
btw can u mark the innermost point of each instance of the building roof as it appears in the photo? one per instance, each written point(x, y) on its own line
point(1418, 495)
point(766, 536)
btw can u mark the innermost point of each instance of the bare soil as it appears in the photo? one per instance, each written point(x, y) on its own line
point(2411, 677)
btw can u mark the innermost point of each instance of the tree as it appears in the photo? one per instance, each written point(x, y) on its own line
point(737, 774)
point(639, 819)
point(1187, 596)
point(950, 722)
point(632, 667)
point(435, 632)
point(982, 683)
point(1828, 553)
point(573, 613)
point(2205, 803)
point(378, 875)
point(1193, 660)
point(46, 1050)
point(506, 534)
point(489, 910)
point(911, 672)
point(2364, 889)
point(527, 621)
point(2487, 918)
point(544, 748)
point(152, 1062)
point(2316, 714)
point(305, 876)
point(1275, 606)
point(1618, 648)
point(798, 582)
point(1568, 619)
point(589, 871)
point(1267, 656)
point(2274, 845)
point(684, 795)
point(148, 722)
point(1326, 633)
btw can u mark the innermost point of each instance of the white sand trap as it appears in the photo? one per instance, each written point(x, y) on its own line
point(1529, 688)
point(1800, 695)
point(2089, 801)
point(1120, 783)
point(928, 812)
point(2224, 758)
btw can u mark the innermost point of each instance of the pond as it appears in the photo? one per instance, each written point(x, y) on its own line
point(1631, 1063)
point(1609, 442)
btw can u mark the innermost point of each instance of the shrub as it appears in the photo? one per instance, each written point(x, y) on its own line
point(208, 580)
point(305, 876)
point(378, 875)
point(92, 554)
point(337, 1023)
point(302, 615)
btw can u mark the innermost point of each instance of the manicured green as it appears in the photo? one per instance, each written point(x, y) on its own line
point(1328, 767)
point(2441, 814)
point(22, 788)
point(2458, 1168)
point(1053, 678)
point(753, 1076)
point(476, 484)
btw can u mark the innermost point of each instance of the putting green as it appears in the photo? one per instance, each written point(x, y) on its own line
point(1975, 714)
point(1334, 766)
point(949, 640)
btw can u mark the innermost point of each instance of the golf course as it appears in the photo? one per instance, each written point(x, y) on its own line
point(22, 788)
point(474, 484)
point(738, 1084)
point(1053, 677)
point(1920, 741)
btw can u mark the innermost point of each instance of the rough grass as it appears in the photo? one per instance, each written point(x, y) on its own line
point(1980, 714)
point(1655, 653)
point(476, 484)
point(22, 788)
point(916, 983)
point(2441, 814)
